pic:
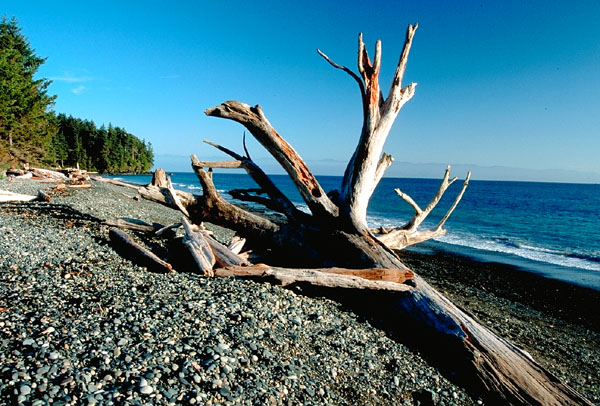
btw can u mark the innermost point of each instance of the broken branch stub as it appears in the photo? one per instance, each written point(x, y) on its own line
point(198, 248)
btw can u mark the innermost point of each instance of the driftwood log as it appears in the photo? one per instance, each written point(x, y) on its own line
point(7, 196)
point(128, 248)
point(335, 233)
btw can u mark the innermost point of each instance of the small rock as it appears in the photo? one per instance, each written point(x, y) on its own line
point(29, 342)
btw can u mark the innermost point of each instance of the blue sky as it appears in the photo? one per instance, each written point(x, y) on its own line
point(500, 83)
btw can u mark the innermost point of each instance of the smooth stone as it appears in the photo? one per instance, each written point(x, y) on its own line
point(146, 390)
point(29, 342)
point(43, 370)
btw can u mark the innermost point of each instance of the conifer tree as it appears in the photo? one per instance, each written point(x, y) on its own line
point(25, 117)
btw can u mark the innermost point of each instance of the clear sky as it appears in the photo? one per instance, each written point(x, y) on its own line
point(500, 83)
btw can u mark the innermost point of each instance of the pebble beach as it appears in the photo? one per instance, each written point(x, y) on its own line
point(81, 325)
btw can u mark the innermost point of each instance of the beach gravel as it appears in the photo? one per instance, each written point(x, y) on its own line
point(80, 325)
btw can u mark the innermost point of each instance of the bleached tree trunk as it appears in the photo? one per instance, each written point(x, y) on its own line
point(335, 233)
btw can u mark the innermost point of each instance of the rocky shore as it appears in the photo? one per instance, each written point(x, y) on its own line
point(81, 325)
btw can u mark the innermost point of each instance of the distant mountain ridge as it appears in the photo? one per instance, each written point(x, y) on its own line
point(181, 163)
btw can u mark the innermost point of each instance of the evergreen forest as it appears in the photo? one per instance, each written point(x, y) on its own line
point(30, 131)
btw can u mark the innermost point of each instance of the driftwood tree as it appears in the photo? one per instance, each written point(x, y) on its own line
point(335, 233)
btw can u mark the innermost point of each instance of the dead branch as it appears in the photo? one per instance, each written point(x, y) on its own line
point(277, 200)
point(221, 164)
point(133, 224)
point(125, 245)
point(221, 212)
point(366, 168)
point(175, 198)
point(164, 229)
point(287, 277)
point(409, 234)
point(256, 122)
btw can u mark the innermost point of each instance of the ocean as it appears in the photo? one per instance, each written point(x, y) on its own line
point(552, 229)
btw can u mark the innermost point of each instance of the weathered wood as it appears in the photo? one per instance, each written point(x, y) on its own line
point(43, 196)
point(220, 164)
point(212, 206)
point(199, 248)
point(175, 198)
point(80, 186)
point(223, 255)
point(49, 174)
point(115, 182)
point(375, 274)
point(277, 200)
point(254, 119)
point(7, 196)
point(133, 224)
point(25, 176)
point(125, 245)
point(159, 178)
point(365, 168)
point(236, 244)
point(164, 229)
point(314, 277)
point(493, 367)
point(336, 234)
point(409, 234)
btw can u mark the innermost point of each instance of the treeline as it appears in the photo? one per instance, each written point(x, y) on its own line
point(101, 149)
point(31, 132)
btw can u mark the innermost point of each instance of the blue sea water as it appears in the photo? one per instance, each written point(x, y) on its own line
point(549, 228)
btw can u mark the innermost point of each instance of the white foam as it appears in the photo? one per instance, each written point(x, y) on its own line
point(533, 253)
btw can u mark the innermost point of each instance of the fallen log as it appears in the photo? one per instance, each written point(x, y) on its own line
point(133, 224)
point(335, 232)
point(318, 277)
point(47, 173)
point(128, 248)
point(6, 196)
point(25, 176)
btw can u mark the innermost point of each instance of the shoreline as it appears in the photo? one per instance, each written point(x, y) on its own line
point(558, 323)
point(570, 302)
point(586, 278)
point(552, 320)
